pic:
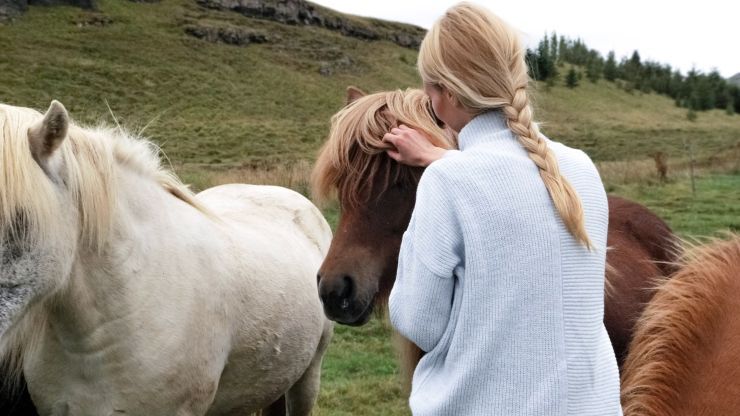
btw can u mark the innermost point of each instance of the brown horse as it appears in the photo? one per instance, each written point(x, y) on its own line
point(685, 355)
point(377, 196)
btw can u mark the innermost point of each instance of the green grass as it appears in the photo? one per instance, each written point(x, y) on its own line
point(225, 113)
point(360, 373)
point(611, 124)
point(714, 209)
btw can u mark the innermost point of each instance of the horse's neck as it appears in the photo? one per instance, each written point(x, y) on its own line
point(145, 261)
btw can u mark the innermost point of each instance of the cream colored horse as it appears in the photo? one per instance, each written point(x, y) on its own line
point(122, 293)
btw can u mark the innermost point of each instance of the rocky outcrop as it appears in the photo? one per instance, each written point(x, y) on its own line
point(12, 8)
point(301, 12)
point(85, 4)
point(291, 12)
point(229, 35)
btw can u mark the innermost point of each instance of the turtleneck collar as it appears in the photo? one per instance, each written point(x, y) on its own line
point(485, 128)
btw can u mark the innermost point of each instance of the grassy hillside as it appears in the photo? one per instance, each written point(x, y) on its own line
point(258, 113)
point(208, 103)
point(228, 106)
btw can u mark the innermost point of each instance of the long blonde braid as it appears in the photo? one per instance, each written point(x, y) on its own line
point(564, 197)
point(480, 60)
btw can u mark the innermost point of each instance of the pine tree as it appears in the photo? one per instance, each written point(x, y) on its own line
point(632, 70)
point(546, 68)
point(571, 80)
point(594, 67)
point(554, 53)
point(735, 94)
point(635, 59)
point(610, 67)
point(562, 49)
point(531, 58)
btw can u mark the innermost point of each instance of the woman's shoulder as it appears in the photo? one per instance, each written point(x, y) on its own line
point(463, 175)
point(573, 161)
point(563, 151)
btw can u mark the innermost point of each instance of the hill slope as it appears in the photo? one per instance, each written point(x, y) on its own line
point(269, 101)
point(735, 79)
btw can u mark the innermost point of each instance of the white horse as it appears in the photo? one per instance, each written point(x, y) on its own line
point(122, 293)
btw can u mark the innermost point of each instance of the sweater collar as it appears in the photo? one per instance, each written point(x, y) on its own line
point(488, 127)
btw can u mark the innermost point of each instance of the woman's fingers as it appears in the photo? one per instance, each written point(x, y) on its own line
point(390, 138)
point(411, 147)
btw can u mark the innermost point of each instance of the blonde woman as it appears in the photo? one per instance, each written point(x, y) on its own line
point(501, 271)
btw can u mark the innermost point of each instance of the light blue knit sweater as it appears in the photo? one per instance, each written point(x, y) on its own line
point(506, 303)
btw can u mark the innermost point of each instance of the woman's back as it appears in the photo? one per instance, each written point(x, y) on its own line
point(524, 333)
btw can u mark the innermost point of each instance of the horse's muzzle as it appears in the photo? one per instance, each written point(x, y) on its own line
point(340, 300)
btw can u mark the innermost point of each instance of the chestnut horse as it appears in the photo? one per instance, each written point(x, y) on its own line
point(377, 196)
point(685, 355)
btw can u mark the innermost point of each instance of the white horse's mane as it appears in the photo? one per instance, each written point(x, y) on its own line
point(90, 157)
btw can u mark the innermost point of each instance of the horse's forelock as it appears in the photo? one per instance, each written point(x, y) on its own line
point(353, 162)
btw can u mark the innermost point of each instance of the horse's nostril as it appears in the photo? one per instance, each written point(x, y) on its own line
point(318, 278)
point(347, 292)
point(337, 294)
point(349, 287)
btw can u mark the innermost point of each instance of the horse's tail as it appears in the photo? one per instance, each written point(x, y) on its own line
point(409, 356)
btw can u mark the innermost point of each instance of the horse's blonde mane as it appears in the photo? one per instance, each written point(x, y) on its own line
point(90, 157)
point(677, 324)
point(354, 153)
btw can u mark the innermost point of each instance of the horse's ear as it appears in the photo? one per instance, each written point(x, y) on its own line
point(45, 136)
point(354, 93)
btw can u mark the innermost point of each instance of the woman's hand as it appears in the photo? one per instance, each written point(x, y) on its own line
point(412, 147)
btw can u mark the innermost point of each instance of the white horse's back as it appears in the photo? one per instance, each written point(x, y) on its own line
point(285, 237)
point(271, 208)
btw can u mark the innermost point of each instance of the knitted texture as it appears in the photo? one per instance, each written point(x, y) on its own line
point(506, 303)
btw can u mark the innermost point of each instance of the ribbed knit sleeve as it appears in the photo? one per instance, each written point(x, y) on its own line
point(421, 300)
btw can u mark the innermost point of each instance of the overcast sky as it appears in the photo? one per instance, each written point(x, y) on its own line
point(704, 33)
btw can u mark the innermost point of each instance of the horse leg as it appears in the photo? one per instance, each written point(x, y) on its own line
point(276, 409)
point(301, 397)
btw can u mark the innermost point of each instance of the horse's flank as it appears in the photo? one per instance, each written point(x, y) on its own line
point(687, 338)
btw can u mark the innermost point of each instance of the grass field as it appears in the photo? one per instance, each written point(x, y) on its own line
point(218, 107)
point(259, 113)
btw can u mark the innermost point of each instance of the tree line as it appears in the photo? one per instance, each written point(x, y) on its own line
point(696, 91)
